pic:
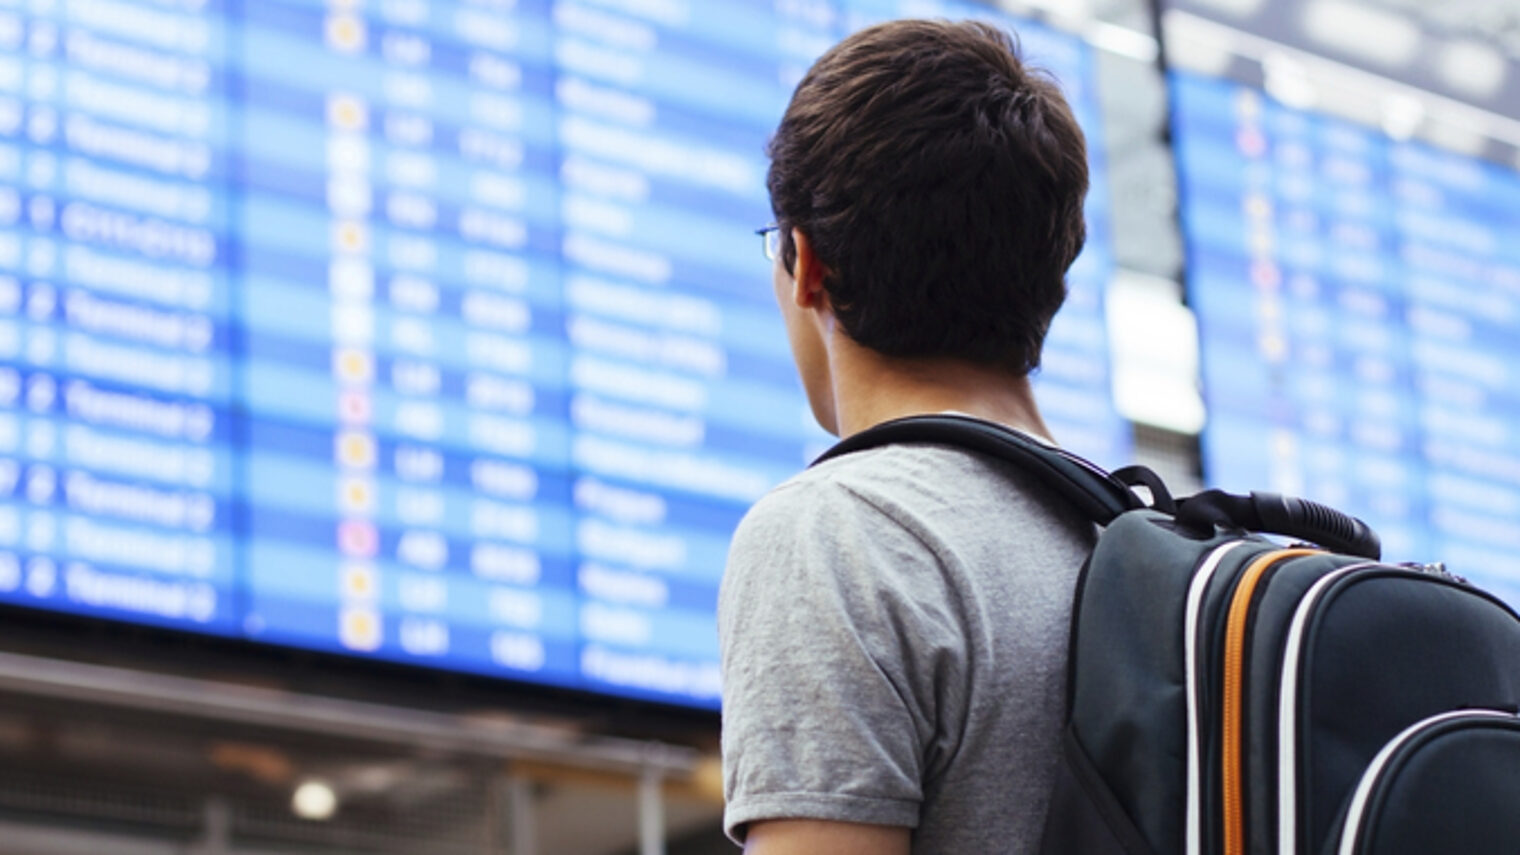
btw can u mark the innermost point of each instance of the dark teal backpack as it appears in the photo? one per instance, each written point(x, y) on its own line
point(1228, 695)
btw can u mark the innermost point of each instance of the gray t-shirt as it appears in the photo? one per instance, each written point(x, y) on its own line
point(893, 627)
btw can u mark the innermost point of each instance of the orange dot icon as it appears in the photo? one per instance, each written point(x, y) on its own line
point(353, 365)
point(1273, 346)
point(356, 496)
point(359, 581)
point(359, 629)
point(351, 237)
point(347, 113)
point(345, 33)
point(356, 450)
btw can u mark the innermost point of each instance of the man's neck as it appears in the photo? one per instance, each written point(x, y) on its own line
point(870, 388)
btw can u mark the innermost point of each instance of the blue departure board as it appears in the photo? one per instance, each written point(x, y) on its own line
point(1359, 303)
point(433, 332)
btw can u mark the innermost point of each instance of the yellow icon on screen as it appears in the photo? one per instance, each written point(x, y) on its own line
point(359, 582)
point(347, 113)
point(345, 33)
point(351, 237)
point(1273, 346)
point(356, 450)
point(352, 365)
point(359, 629)
point(1269, 309)
point(356, 496)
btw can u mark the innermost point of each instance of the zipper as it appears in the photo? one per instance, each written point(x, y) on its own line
point(1232, 725)
point(1356, 813)
point(1196, 590)
point(1435, 568)
point(1287, 709)
point(1292, 662)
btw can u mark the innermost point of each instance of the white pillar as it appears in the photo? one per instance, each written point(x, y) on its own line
point(217, 834)
point(651, 814)
point(524, 830)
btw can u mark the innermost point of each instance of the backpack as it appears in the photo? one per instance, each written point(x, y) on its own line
point(1229, 695)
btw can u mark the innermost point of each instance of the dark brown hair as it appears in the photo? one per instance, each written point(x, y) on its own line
point(940, 183)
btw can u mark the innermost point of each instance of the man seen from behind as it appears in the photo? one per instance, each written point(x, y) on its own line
point(894, 621)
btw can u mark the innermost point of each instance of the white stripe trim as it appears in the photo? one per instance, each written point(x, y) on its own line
point(1196, 590)
point(1364, 787)
point(1287, 709)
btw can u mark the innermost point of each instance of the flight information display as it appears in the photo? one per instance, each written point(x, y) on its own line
point(434, 332)
point(1359, 305)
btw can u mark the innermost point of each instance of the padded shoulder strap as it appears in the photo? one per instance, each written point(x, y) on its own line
point(1094, 492)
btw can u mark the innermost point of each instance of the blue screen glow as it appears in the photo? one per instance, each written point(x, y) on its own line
point(1359, 301)
point(435, 332)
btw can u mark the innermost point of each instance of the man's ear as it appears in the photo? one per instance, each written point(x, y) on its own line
point(808, 274)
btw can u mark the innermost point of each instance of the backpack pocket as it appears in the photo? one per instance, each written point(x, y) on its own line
point(1449, 783)
point(1372, 652)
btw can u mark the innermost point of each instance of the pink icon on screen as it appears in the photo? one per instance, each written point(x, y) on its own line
point(358, 539)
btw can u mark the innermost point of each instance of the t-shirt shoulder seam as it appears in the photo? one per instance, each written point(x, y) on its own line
point(841, 470)
point(834, 479)
point(840, 484)
point(888, 515)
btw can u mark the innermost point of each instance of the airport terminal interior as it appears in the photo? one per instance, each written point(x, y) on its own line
point(381, 380)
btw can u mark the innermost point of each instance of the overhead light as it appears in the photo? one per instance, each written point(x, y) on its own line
point(1288, 81)
point(1153, 341)
point(1198, 45)
point(1071, 11)
point(1123, 41)
point(1402, 115)
point(1238, 8)
point(1472, 67)
point(1362, 30)
point(314, 800)
point(1453, 136)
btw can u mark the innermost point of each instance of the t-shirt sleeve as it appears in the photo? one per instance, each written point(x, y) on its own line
point(823, 707)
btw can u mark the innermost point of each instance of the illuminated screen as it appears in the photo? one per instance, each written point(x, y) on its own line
point(1359, 302)
point(430, 332)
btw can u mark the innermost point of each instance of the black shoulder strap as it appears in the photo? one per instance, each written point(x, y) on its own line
point(1098, 495)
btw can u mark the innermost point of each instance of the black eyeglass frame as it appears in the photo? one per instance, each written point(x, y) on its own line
point(770, 246)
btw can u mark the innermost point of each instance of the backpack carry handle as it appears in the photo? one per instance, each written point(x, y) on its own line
point(1102, 496)
point(1285, 515)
